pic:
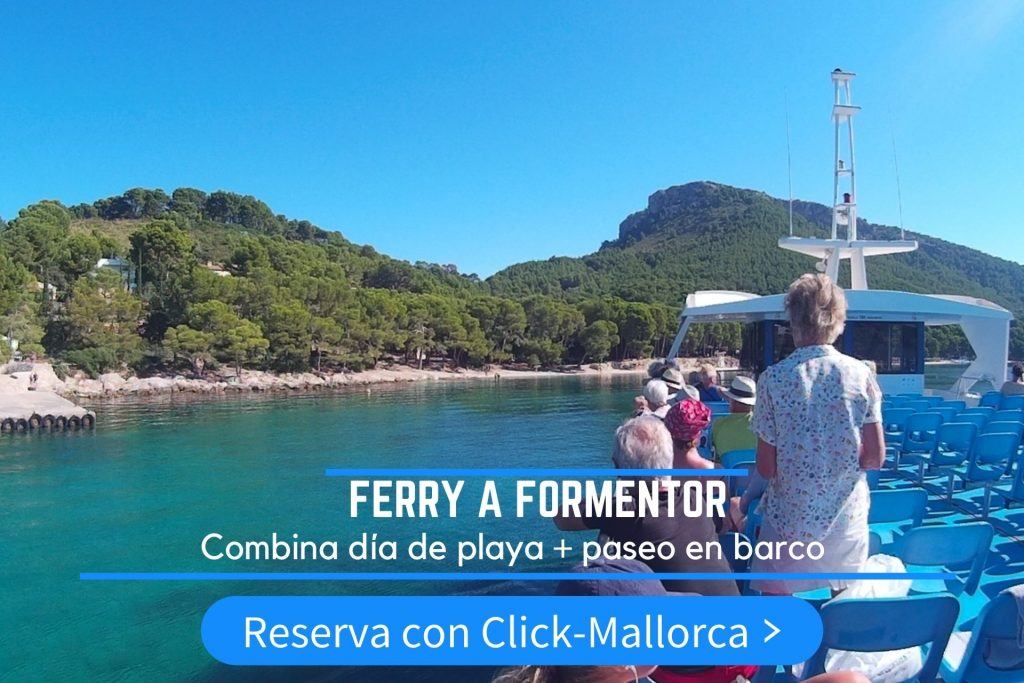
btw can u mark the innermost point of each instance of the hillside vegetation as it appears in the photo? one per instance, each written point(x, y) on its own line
point(219, 279)
point(222, 280)
point(709, 236)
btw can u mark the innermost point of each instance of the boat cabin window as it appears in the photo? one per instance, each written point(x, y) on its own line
point(894, 347)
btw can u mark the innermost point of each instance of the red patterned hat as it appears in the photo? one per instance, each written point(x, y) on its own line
point(687, 419)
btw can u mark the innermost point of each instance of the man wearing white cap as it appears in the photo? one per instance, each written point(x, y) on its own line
point(732, 432)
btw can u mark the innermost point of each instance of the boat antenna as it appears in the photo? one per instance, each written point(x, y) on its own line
point(789, 162)
point(896, 165)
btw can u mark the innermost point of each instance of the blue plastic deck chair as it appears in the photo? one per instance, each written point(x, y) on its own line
point(1015, 493)
point(1002, 427)
point(920, 436)
point(950, 547)
point(896, 510)
point(991, 398)
point(718, 407)
point(990, 458)
point(918, 406)
point(979, 420)
point(734, 458)
point(952, 449)
point(1011, 403)
point(894, 421)
point(742, 460)
point(969, 654)
point(948, 413)
point(883, 624)
point(1008, 416)
point(987, 411)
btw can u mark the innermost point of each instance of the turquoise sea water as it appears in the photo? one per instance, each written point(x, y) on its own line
point(141, 491)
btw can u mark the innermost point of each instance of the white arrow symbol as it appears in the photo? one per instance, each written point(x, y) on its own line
point(775, 630)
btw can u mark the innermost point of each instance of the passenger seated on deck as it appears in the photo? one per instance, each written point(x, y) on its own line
point(654, 400)
point(686, 422)
point(818, 422)
point(1015, 386)
point(645, 443)
point(732, 432)
point(677, 385)
point(708, 387)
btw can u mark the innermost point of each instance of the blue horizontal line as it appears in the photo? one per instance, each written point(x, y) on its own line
point(504, 576)
point(497, 472)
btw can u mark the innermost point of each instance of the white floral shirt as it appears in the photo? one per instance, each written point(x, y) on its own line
point(811, 407)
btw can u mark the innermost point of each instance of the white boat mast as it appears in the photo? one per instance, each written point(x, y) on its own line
point(832, 251)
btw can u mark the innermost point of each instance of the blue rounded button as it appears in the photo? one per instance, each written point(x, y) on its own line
point(492, 630)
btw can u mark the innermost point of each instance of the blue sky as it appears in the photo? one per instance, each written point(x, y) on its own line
point(484, 134)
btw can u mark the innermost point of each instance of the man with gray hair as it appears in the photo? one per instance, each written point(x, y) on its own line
point(644, 443)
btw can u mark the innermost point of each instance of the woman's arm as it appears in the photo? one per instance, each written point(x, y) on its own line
point(766, 460)
point(872, 446)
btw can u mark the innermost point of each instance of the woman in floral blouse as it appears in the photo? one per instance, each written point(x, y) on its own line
point(818, 422)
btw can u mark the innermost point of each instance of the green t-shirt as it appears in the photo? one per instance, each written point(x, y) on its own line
point(732, 433)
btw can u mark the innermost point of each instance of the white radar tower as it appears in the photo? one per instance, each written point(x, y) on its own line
point(843, 243)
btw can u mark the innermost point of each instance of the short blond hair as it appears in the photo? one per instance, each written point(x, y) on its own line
point(816, 307)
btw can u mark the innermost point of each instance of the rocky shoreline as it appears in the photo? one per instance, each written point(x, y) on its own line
point(15, 377)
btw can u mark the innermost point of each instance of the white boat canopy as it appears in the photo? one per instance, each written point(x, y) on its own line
point(985, 324)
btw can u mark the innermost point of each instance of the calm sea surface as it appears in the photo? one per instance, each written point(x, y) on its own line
point(141, 491)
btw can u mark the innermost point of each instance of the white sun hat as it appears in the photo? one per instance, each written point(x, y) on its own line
point(742, 390)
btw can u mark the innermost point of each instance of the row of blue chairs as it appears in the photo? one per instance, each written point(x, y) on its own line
point(924, 618)
point(997, 400)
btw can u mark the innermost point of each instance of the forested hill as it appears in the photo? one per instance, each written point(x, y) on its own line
point(192, 281)
point(705, 235)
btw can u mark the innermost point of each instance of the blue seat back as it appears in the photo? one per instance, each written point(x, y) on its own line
point(895, 419)
point(994, 449)
point(991, 398)
point(954, 443)
point(734, 458)
point(1008, 416)
point(921, 432)
point(874, 478)
point(1012, 403)
point(718, 407)
point(1001, 427)
point(997, 621)
point(948, 413)
point(951, 547)
point(959, 405)
point(976, 419)
point(933, 400)
point(903, 505)
point(918, 406)
point(883, 624)
point(980, 410)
